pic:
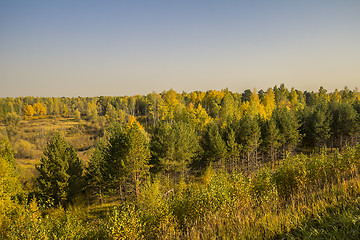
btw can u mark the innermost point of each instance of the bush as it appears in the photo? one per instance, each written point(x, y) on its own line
point(290, 176)
point(125, 223)
point(262, 185)
point(25, 149)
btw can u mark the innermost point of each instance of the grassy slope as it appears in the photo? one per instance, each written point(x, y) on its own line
point(328, 212)
point(32, 136)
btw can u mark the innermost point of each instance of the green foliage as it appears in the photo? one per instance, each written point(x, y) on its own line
point(262, 185)
point(125, 223)
point(344, 122)
point(290, 176)
point(213, 145)
point(60, 171)
point(289, 128)
point(296, 197)
point(120, 162)
point(173, 147)
point(12, 121)
point(271, 138)
point(318, 126)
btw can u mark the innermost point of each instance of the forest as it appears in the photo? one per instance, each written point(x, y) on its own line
point(275, 164)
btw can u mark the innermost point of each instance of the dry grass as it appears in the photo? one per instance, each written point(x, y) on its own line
point(32, 135)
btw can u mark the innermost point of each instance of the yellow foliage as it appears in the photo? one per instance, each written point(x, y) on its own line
point(216, 95)
point(268, 103)
point(336, 96)
point(169, 105)
point(39, 109)
point(132, 121)
point(255, 106)
point(245, 106)
point(294, 99)
point(198, 116)
point(29, 111)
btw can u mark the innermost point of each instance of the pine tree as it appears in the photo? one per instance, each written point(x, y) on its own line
point(122, 160)
point(233, 148)
point(173, 147)
point(288, 125)
point(248, 135)
point(270, 136)
point(318, 126)
point(60, 178)
point(213, 145)
point(344, 125)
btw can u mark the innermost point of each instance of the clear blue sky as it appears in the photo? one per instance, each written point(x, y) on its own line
point(128, 47)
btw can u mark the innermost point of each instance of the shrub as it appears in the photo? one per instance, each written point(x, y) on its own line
point(290, 176)
point(262, 186)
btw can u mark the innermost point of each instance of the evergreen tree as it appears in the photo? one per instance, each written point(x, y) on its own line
point(122, 162)
point(213, 145)
point(233, 148)
point(318, 126)
point(110, 160)
point(173, 147)
point(60, 178)
point(248, 135)
point(344, 125)
point(288, 125)
point(270, 136)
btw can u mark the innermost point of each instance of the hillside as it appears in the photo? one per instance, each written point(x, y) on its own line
point(274, 164)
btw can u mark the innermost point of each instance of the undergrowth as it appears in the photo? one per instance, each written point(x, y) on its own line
point(305, 197)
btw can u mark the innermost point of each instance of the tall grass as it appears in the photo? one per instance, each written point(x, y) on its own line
point(305, 197)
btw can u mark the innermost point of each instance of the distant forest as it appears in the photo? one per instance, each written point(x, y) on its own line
point(265, 124)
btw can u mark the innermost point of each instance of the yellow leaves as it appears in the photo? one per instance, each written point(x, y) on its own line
point(168, 107)
point(29, 111)
point(336, 96)
point(254, 107)
point(132, 121)
point(268, 103)
point(245, 106)
point(39, 109)
point(198, 116)
point(216, 95)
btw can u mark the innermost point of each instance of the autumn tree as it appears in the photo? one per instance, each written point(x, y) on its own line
point(29, 111)
point(154, 103)
point(137, 156)
point(169, 105)
point(40, 109)
point(268, 102)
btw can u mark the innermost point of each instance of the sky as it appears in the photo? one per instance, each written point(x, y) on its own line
point(129, 47)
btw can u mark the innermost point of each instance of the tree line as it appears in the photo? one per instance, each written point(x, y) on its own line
point(263, 125)
point(183, 134)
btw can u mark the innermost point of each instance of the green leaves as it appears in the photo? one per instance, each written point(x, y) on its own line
point(60, 171)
